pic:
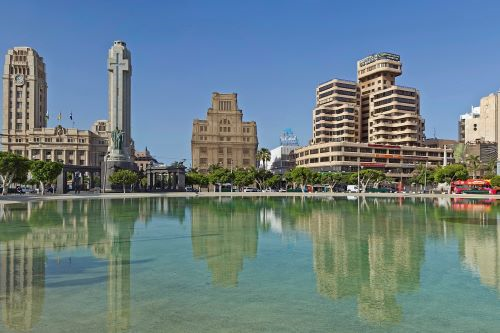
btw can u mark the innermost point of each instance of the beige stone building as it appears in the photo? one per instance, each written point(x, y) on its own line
point(224, 138)
point(143, 159)
point(482, 124)
point(25, 117)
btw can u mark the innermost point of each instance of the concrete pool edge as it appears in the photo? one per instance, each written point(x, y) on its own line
point(15, 198)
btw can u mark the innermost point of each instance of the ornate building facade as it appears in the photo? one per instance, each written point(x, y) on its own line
point(25, 117)
point(224, 139)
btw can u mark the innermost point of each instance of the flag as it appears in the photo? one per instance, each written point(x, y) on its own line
point(59, 116)
point(71, 116)
point(47, 115)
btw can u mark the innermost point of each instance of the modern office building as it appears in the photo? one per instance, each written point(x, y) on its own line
point(223, 138)
point(373, 110)
point(282, 157)
point(370, 123)
point(390, 114)
point(25, 117)
point(336, 117)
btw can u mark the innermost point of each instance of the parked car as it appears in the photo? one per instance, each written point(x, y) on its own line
point(190, 189)
point(352, 189)
point(250, 189)
point(281, 190)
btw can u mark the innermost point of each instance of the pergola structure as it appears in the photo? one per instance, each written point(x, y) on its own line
point(166, 178)
point(78, 173)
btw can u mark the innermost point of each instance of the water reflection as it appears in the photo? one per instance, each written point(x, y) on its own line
point(224, 233)
point(370, 250)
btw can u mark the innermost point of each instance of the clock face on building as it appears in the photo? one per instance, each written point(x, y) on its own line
point(19, 79)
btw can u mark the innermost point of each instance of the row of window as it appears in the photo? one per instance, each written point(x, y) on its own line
point(337, 91)
point(59, 139)
point(395, 107)
point(324, 118)
point(395, 99)
point(220, 161)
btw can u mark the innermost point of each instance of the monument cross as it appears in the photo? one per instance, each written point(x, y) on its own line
point(120, 65)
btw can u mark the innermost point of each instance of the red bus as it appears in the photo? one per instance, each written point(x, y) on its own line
point(472, 186)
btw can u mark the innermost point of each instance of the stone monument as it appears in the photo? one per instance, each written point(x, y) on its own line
point(119, 83)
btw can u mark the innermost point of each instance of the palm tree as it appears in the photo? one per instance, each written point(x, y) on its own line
point(473, 161)
point(264, 156)
point(258, 157)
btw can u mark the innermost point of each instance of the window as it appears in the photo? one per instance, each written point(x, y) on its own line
point(246, 161)
point(221, 150)
point(19, 126)
point(203, 150)
point(246, 151)
point(203, 161)
point(48, 139)
point(19, 94)
point(19, 105)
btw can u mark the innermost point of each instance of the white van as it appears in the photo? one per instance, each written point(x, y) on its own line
point(352, 188)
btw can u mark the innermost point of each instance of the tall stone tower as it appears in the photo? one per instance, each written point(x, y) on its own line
point(24, 95)
point(119, 84)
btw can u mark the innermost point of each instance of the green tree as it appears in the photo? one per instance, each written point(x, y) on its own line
point(260, 176)
point(449, 173)
point(144, 182)
point(490, 169)
point(495, 181)
point(301, 175)
point(45, 172)
point(218, 175)
point(421, 174)
point(473, 162)
point(370, 176)
point(333, 178)
point(13, 168)
point(243, 177)
point(273, 181)
point(193, 177)
point(123, 177)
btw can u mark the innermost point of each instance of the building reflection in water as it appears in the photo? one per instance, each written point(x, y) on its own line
point(371, 250)
point(26, 235)
point(476, 225)
point(224, 233)
point(373, 260)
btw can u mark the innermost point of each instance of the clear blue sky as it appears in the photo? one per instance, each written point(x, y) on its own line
point(272, 53)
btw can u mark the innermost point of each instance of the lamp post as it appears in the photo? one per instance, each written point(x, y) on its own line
point(425, 176)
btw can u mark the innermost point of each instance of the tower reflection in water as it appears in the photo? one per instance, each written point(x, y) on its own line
point(46, 226)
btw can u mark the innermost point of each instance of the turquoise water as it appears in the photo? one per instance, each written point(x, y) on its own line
point(250, 264)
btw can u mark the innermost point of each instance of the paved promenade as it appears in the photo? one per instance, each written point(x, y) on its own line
point(16, 198)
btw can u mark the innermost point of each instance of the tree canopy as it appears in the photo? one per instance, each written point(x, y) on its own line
point(13, 168)
point(123, 177)
point(45, 172)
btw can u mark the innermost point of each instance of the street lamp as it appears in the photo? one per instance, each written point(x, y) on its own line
point(425, 176)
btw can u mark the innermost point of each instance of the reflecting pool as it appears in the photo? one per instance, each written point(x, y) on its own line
point(250, 264)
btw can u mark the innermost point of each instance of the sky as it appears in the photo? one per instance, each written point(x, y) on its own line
point(272, 53)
